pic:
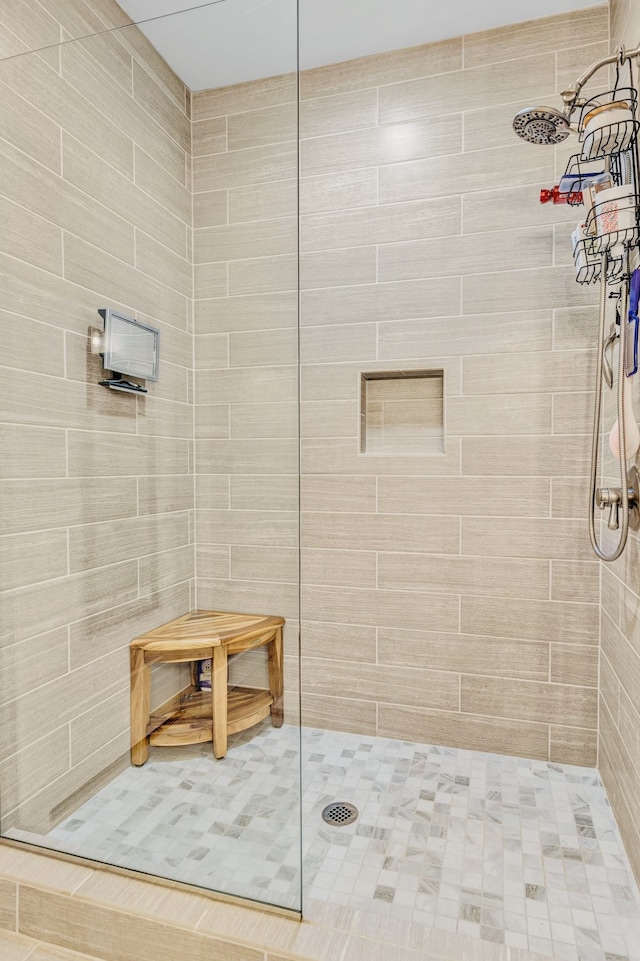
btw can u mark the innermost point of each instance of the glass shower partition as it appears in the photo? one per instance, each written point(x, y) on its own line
point(166, 191)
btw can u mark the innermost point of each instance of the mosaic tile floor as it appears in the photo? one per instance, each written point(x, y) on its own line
point(518, 852)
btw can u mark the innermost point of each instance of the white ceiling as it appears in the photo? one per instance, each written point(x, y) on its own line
point(219, 43)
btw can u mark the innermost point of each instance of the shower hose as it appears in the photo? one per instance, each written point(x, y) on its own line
point(624, 487)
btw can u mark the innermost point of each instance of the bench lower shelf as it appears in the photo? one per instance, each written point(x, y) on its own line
point(192, 723)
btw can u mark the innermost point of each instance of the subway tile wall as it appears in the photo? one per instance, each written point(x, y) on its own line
point(619, 745)
point(450, 597)
point(96, 488)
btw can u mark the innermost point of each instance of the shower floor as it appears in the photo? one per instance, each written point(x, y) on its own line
point(519, 852)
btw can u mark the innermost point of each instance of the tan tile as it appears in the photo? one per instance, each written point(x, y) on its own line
point(528, 537)
point(86, 74)
point(622, 657)
point(94, 728)
point(267, 125)
point(336, 268)
point(113, 933)
point(29, 558)
point(244, 96)
point(31, 504)
point(489, 210)
point(352, 188)
point(569, 495)
point(573, 580)
point(28, 128)
point(211, 351)
point(155, 180)
point(100, 634)
point(381, 68)
point(571, 664)
point(468, 575)
point(63, 104)
point(345, 111)
point(157, 495)
point(259, 563)
point(529, 700)
point(268, 597)
point(460, 173)
point(533, 620)
point(97, 270)
point(247, 385)
point(169, 117)
point(8, 901)
point(536, 36)
point(263, 201)
point(628, 825)
point(264, 420)
point(161, 570)
point(210, 208)
point(15, 947)
point(510, 81)
point(381, 302)
point(209, 136)
point(339, 714)
point(502, 496)
point(381, 145)
point(329, 418)
point(390, 684)
point(213, 562)
point(262, 348)
point(610, 595)
point(34, 662)
point(490, 415)
point(264, 492)
point(342, 568)
point(328, 455)
point(529, 455)
point(455, 652)
point(380, 532)
point(248, 455)
point(334, 343)
point(468, 732)
point(39, 348)
point(275, 528)
point(241, 241)
point(348, 642)
point(34, 767)
point(326, 493)
point(155, 260)
point(380, 608)
point(383, 224)
point(549, 286)
point(263, 275)
point(252, 165)
point(574, 327)
point(254, 926)
point(31, 452)
point(165, 418)
point(93, 454)
point(212, 420)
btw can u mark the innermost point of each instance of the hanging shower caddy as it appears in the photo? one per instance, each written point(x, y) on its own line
point(605, 178)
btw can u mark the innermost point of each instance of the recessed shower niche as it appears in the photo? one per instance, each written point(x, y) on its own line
point(402, 412)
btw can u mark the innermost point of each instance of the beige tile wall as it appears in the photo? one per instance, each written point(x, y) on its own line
point(96, 490)
point(449, 597)
point(619, 746)
point(246, 351)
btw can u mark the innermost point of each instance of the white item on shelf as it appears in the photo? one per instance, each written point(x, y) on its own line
point(608, 129)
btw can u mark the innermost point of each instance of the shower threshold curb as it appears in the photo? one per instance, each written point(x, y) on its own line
point(109, 915)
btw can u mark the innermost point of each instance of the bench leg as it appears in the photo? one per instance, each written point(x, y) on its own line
point(140, 705)
point(276, 679)
point(219, 700)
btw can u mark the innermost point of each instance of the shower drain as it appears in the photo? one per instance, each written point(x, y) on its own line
point(340, 812)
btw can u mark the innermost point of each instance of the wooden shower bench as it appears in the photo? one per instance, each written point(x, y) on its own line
point(199, 716)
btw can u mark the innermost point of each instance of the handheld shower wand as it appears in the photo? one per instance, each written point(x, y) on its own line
point(549, 126)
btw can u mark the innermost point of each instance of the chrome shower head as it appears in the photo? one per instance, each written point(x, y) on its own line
point(544, 125)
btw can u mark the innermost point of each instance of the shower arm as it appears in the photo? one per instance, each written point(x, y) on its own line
point(570, 96)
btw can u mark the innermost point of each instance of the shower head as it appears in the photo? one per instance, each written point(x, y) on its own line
point(544, 125)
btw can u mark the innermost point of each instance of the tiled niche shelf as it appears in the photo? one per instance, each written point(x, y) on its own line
point(402, 412)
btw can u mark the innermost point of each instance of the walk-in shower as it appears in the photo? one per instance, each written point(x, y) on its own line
point(608, 131)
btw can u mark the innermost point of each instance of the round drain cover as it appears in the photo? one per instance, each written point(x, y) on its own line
point(340, 812)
